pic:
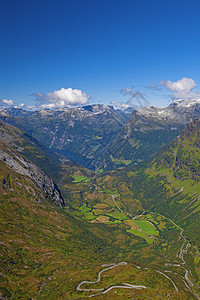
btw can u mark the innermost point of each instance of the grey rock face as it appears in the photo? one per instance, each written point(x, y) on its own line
point(178, 112)
point(27, 168)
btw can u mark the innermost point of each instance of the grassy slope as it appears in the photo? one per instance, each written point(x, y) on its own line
point(38, 238)
point(177, 169)
point(140, 139)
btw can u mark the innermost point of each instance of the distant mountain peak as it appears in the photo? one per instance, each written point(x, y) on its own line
point(180, 111)
point(185, 103)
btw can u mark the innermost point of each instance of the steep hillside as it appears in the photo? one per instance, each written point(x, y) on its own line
point(177, 167)
point(29, 147)
point(148, 129)
point(40, 242)
point(27, 151)
point(22, 166)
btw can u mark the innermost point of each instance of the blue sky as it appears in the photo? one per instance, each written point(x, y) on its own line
point(55, 51)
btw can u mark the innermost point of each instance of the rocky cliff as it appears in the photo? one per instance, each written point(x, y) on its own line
point(10, 136)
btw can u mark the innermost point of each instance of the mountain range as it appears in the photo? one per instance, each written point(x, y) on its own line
point(98, 136)
point(92, 189)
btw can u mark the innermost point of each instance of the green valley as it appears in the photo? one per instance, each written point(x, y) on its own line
point(137, 226)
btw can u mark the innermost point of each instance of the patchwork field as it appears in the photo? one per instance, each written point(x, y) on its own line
point(150, 227)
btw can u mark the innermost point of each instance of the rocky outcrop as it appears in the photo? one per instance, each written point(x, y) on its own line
point(25, 167)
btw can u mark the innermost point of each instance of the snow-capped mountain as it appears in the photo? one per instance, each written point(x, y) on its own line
point(179, 111)
point(150, 128)
point(100, 136)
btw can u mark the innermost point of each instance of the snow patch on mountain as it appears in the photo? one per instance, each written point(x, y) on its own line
point(179, 111)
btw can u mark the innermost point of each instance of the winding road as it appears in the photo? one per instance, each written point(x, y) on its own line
point(107, 289)
point(183, 250)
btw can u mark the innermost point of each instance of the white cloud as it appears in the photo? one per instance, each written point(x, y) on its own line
point(61, 98)
point(8, 102)
point(181, 88)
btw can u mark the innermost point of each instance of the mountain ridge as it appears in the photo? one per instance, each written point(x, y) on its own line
point(78, 133)
point(150, 128)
